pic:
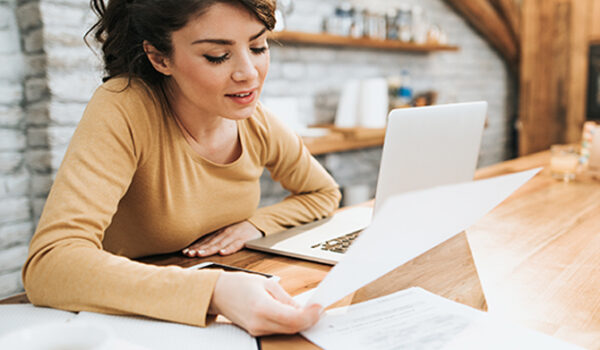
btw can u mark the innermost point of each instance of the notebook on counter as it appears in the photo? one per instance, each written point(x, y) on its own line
point(423, 147)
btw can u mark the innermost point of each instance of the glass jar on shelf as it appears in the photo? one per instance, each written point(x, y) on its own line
point(404, 23)
point(375, 25)
point(391, 19)
point(346, 14)
point(420, 25)
point(358, 23)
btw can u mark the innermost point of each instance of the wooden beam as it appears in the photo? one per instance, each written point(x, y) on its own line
point(538, 102)
point(486, 20)
point(594, 23)
point(511, 12)
point(553, 72)
point(578, 69)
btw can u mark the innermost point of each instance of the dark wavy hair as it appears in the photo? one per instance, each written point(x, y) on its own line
point(123, 25)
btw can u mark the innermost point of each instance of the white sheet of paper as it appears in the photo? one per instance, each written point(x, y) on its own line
point(16, 316)
point(410, 224)
point(154, 334)
point(417, 319)
point(493, 334)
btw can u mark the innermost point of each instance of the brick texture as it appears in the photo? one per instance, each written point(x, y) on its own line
point(16, 225)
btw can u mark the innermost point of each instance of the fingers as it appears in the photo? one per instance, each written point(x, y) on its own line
point(209, 245)
point(225, 241)
point(286, 319)
point(232, 247)
point(220, 244)
point(280, 294)
point(199, 247)
point(283, 315)
point(259, 305)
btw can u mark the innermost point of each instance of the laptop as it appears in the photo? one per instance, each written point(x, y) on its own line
point(423, 147)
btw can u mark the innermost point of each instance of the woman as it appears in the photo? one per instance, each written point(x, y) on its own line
point(169, 149)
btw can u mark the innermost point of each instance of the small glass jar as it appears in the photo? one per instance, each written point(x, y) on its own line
point(404, 23)
point(391, 19)
point(375, 25)
point(358, 23)
point(564, 162)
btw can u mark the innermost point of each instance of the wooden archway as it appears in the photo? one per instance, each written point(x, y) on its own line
point(546, 44)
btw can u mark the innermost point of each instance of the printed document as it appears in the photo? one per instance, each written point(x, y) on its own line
point(410, 224)
point(417, 319)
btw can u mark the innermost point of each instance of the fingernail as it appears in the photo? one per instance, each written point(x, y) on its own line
point(185, 251)
point(223, 251)
point(201, 252)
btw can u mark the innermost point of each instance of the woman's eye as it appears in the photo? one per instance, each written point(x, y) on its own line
point(217, 59)
point(259, 50)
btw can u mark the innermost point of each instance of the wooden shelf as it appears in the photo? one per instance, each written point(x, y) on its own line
point(343, 41)
point(344, 139)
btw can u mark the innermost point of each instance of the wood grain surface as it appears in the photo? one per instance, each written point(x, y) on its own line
point(536, 255)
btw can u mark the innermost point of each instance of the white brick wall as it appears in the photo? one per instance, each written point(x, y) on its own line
point(48, 74)
point(16, 224)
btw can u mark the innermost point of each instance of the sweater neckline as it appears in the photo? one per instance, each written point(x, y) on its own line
point(181, 140)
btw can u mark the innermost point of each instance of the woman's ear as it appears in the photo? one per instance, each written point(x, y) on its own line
point(156, 58)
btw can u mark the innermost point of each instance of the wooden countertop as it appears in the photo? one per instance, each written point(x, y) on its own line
point(536, 255)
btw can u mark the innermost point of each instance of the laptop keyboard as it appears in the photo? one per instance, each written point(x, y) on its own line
point(339, 244)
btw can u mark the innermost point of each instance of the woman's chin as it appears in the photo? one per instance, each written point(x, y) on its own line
point(241, 114)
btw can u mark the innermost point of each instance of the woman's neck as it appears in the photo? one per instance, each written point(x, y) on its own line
point(194, 122)
point(213, 137)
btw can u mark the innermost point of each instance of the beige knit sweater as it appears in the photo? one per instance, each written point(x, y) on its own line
point(131, 186)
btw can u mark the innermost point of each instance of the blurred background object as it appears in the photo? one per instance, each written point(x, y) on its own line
point(284, 9)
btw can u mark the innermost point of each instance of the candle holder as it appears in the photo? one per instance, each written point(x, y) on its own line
point(564, 162)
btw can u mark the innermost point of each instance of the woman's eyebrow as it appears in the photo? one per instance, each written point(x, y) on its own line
point(257, 35)
point(227, 42)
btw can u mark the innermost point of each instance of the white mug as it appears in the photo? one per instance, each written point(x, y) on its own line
point(347, 110)
point(373, 103)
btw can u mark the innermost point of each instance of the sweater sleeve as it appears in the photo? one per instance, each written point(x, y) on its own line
point(67, 267)
point(314, 193)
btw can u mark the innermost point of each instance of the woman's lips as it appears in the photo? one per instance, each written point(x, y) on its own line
point(243, 97)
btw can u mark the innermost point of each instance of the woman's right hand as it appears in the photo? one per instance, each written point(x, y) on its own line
point(260, 305)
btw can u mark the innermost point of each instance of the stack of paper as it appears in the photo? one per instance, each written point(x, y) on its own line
point(417, 319)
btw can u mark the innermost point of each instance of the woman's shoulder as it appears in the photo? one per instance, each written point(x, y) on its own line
point(264, 120)
point(126, 106)
point(268, 129)
point(130, 98)
point(122, 88)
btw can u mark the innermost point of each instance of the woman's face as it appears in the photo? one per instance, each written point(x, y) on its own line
point(219, 63)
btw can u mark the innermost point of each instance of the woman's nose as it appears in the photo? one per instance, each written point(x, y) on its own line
point(244, 69)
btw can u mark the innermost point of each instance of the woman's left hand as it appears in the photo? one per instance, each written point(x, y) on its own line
point(225, 241)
